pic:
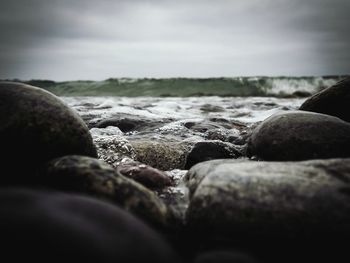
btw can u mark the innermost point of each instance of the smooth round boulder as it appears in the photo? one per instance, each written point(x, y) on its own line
point(253, 204)
point(334, 101)
point(144, 174)
point(210, 150)
point(40, 226)
point(35, 127)
point(299, 135)
point(80, 174)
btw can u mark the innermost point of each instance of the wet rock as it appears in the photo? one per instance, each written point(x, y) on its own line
point(145, 175)
point(301, 94)
point(59, 227)
point(78, 174)
point(332, 101)
point(211, 108)
point(108, 131)
point(197, 173)
point(129, 123)
point(224, 135)
point(205, 126)
point(249, 201)
point(124, 124)
point(163, 155)
point(89, 118)
point(114, 149)
point(300, 135)
point(209, 150)
point(219, 120)
point(36, 127)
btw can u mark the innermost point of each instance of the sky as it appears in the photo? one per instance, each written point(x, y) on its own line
point(98, 39)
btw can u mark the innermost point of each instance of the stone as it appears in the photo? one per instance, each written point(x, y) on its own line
point(145, 175)
point(163, 155)
point(37, 126)
point(334, 101)
point(108, 131)
point(247, 200)
point(79, 174)
point(211, 108)
point(205, 126)
point(301, 94)
point(299, 135)
point(209, 150)
point(124, 124)
point(113, 149)
point(131, 123)
point(42, 226)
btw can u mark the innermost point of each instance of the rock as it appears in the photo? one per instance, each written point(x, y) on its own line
point(108, 131)
point(78, 174)
point(145, 175)
point(124, 124)
point(114, 149)
point(197, 173)
point(249, 201)
point(204, 126)
point(130, 123)
point(209, 150)
point(36, 127)
point(211, 108)
point(332, 101)
point(223, 135)
point(301, 94)
point(163, 155)
point(45, 226)
point(300, 135)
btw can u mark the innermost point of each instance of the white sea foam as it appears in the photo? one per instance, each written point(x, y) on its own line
point(246, 109)
point(285, 86)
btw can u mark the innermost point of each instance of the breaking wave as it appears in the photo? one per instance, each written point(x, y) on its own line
point(188, 87)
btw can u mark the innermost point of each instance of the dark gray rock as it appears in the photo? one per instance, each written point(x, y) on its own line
point(301, 94)
point(145, 175)
point(211, 108)
point(299, 135)
point(40, 226)
point(262, 200)
point(130, 123)
point(333, 101)
point(205, 126)
point(124, 124)
point(78, 174)
point(36, 127)
point(209, 150)
point(223, 135)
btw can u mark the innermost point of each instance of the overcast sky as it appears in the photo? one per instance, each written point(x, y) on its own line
point(98, 39)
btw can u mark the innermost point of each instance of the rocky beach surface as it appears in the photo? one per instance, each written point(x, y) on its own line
point(195, 179)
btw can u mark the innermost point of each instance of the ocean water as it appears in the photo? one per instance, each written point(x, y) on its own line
point(191, 87)
point(182, 110)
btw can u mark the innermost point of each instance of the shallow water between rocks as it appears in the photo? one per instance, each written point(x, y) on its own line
point(176, 121)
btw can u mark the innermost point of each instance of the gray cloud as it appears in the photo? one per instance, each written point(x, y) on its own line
point(87, 39)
